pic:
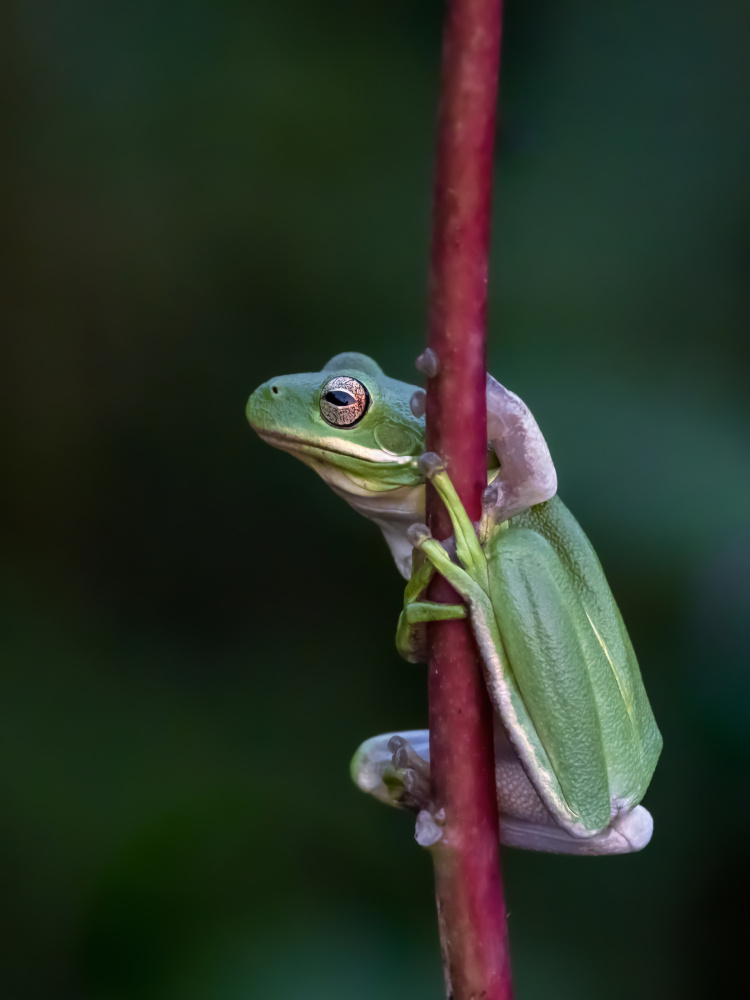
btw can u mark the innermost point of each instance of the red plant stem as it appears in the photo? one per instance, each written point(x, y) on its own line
point(468, 883)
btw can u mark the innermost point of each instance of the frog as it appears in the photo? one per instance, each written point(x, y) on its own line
point(575, 739)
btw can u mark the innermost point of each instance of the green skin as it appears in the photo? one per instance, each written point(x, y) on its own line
point(576, 741)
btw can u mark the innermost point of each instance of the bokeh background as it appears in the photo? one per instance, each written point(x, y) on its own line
point(201, 195)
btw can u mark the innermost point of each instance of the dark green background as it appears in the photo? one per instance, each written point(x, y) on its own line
point(196, 633)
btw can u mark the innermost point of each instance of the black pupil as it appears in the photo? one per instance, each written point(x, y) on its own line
point(339, 397)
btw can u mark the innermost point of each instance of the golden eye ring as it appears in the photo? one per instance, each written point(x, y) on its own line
point(343, 401)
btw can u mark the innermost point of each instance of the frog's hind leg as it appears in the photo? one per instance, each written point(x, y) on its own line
point(525, 822)
point(501, 683)
point(395, 768)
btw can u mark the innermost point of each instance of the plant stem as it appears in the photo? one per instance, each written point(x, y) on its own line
point(468, 883)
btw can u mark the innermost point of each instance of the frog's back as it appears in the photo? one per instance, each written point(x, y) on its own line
point(634, 740)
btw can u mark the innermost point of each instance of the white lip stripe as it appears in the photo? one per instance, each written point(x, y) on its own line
point(336, 447)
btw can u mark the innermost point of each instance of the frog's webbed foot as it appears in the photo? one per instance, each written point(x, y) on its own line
point(395, 768)
point(411, 775)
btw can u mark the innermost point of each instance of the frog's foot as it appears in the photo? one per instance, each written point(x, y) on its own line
point(394, 767)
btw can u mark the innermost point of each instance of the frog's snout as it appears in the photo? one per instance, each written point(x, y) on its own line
point(261, 403)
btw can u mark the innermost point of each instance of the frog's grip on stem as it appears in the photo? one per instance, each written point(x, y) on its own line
point(490, 496)
point(430, 464)
point(417, 535)
point(413, 771)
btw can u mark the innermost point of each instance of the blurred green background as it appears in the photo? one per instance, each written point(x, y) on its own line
point(201, 195)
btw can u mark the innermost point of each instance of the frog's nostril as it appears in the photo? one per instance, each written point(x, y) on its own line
point(274, 389)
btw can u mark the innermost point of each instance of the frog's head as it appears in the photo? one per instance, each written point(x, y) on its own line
point(349, 422)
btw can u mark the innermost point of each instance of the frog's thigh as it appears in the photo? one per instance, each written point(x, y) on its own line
point(526, 823)
point(540, 617)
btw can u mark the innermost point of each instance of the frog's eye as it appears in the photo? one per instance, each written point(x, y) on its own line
point(343, 401)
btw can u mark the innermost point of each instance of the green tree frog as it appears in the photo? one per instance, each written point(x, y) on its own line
point(575, 738)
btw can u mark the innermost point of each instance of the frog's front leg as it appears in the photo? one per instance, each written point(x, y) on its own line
point(527, 474)
point(411, 634)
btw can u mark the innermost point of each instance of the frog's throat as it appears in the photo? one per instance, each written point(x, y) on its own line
point(394, 511)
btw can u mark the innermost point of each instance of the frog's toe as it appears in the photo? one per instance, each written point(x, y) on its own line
point(412, 770)
point(394, 767)
point(417, 535)
point(428, 829)
point(430, 464)
point(491, 496)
